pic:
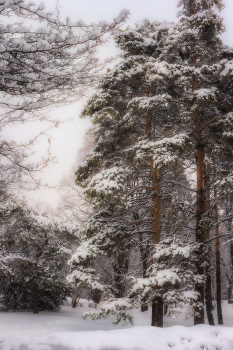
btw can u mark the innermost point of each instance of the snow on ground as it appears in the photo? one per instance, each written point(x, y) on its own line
point(66, 329)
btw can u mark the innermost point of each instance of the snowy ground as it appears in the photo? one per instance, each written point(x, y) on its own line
point(66, 329)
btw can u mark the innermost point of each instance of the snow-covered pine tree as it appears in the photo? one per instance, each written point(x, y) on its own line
point(137, 160)
point(102, 238)
point(34, 250)
point(108, 186)
point(201, 77)
point(157, 149)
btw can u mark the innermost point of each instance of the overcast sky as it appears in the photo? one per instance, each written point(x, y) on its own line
point(68, 138)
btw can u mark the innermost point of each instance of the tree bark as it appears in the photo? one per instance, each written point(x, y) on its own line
point(35, 297)
point(208, 286)
point(230, 283)
point(165, 307)
point(231, 252)
point(231, 279)
point(199, 287)
point(157, 312)
point(168, 218)
point(218, 266)
point(209, 304)
point(157, 305)
point(229, 291)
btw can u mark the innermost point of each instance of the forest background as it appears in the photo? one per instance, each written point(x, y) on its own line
point(44, 243)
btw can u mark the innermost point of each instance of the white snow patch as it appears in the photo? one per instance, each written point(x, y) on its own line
point(66, 329)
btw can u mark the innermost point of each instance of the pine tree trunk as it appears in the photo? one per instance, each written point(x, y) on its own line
point(231, 279)
point(157, 305)
point(199, 288)
point(209, 304)
point(168, 218)
point(165, 307)
point(157, 312)
point(229, 292)
point(35, 297)
point(218, 266)
point(231, 252)
point(208, 286)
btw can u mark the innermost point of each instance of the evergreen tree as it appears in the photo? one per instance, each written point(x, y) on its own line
point(205, 105)
point(133, 148)
point(33, 262)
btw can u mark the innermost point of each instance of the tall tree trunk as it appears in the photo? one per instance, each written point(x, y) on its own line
point(35, 297)
point(231, 279)
point(231, 253)
point(167, 227)
point(165, 307)
point(208, 286)
point(218, 266)
point(157, 305)
point(199, 287)
point(209, 304)
point(229, 291)
point(229, 228)
point(157, 312)
point(145, 255)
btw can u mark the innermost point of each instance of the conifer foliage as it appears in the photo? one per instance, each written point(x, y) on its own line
point(34, 250)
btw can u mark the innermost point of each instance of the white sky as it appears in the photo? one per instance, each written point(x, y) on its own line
point(68, 138)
